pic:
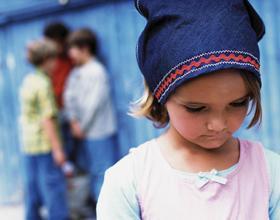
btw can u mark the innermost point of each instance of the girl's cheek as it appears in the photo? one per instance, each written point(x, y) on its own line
point(187, 124)
point(236, 119)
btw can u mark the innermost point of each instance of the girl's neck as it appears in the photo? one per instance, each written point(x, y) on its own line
point(184, 155)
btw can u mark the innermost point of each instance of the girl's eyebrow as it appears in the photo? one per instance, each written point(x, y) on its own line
point(201, 103)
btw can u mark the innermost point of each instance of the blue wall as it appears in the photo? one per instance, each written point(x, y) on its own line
point(118, 25)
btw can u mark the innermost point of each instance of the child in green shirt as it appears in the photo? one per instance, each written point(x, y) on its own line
point(42, 148)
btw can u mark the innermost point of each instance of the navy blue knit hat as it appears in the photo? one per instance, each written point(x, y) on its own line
point(184, 39)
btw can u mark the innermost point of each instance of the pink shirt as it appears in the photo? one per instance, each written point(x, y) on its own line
point(144, 186)
point(164, 195)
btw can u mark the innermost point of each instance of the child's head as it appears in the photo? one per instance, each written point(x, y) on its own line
point(200, 61)
point(58, 33)
point(42, 54)
point(208, 109)
point(82, 45)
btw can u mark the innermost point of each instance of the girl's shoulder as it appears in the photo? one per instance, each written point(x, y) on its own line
point(127, 171)
point(121, 180)
point(136, 158)
point(271, 156)
point(272, 162)
point(119, 190)
point(273, 166)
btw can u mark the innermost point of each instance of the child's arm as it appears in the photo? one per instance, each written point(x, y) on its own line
point(118, 200)
point(273, 161)
point(48, 111)
point(76, 129)
point(49, 127)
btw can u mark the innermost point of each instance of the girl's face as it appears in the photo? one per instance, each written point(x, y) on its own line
point(209, 109)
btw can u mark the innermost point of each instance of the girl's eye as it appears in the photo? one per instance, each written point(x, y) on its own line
point(193, 109)
point(240, 103)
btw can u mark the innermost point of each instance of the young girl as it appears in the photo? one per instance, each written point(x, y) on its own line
point(200, 60)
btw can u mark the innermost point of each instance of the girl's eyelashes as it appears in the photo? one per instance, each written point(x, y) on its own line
point(194, 109)
point(241, 103)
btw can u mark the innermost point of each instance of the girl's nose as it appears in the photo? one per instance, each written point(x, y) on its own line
point(217, 124)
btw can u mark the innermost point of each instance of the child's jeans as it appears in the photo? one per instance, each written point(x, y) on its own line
point(44, 186)
point(96, 157)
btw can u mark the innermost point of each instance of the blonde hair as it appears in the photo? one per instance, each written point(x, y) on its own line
point(40, 50)
point(147, 106)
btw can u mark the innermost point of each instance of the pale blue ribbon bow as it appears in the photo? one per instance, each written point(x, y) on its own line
point(204, 178)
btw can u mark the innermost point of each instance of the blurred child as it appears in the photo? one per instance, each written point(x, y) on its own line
point(89, 107)
point(42, 149)
point(58, 33)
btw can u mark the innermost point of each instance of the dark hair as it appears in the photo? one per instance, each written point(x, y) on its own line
point(83, 38)
point(56, 31)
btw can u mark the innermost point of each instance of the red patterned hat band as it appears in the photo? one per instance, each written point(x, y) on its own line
point(192, 67)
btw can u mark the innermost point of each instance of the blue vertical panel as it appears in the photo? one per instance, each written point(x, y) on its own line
point(271, 73)
point(9, 150)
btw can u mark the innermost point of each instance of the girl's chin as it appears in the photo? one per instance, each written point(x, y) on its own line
point(213, 143)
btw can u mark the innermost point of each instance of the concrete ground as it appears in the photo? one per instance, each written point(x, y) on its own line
point(13, 208)
point(12, 212)
point(16, 212)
